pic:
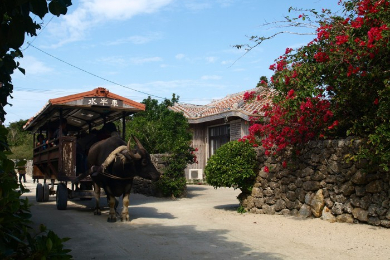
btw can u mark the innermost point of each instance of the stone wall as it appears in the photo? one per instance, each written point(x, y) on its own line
point(321, 183)
point(146, 187)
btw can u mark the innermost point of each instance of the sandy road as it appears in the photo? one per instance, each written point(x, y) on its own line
point(204, 226)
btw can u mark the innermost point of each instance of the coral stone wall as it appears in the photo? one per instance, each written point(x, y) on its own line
point(321, 183)
point(147, 187)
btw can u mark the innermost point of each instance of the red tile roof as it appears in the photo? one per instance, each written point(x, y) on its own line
point(230, 103)
point(97, 92)
point(74, 103)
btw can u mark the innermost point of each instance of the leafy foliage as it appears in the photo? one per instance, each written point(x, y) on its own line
point(16, 23)
point(16, 241)
point(20, 141)
point(232, 165)
point(337, 85)
point(161, 130)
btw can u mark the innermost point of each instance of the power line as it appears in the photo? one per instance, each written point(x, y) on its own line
point(92, 74)
point(28, 44)
point(110, 81)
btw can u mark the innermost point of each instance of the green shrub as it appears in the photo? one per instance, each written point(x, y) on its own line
point(16, 236)
point(233, 165)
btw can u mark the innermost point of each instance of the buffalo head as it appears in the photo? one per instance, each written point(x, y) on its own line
point(142, 161)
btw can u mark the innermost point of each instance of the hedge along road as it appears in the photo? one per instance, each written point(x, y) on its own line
point(205, 225)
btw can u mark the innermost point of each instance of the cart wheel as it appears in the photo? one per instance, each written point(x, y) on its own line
point(39, 193)
point(61, 196)
point(46, 192)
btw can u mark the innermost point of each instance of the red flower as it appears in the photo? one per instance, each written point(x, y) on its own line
point(341, 39)
point(376, 101)
point(266, 169)
point(284, 164)
point(281, 65)
point(321, 57)
point(290, 94)
point(249, 95)
point(335, 123)
point(357, 23)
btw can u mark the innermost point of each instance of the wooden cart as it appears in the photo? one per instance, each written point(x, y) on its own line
point(55, 163)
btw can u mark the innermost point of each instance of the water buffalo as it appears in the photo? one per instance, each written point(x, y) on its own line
point(113, 165)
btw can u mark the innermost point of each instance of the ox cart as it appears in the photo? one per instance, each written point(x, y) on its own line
point(56, 156)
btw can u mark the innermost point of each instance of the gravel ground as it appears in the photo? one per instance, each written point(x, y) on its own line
point(205, 225)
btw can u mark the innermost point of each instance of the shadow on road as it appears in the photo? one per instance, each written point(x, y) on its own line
point(152, 233)
point(195, 191)
point(228, 207)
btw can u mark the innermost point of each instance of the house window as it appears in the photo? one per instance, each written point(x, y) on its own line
point(218, 136)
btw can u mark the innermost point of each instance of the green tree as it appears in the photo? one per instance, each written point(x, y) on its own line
point(161, 130)
point(20, 141)
point(15, 24)
point(16, 242)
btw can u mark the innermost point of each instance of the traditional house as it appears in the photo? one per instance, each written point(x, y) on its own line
point(217, 123)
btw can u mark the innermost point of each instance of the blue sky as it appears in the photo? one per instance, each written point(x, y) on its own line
point(158, 47)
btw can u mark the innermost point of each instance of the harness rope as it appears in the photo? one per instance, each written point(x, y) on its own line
point(110, 159)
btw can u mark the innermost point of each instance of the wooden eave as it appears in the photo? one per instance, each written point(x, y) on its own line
point(81, 115)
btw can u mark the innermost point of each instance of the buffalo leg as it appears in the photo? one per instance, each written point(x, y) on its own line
point(97, 198)
point(112, 214)
point(125, 210)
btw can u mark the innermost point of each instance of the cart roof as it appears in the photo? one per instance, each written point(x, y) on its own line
point(91, 108)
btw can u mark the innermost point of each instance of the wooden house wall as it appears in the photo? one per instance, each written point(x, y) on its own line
point(238, 129)
point(199, 141)
point(235, 130)
point(244, 128)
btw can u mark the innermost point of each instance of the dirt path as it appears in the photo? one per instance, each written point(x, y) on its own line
point(204, 226)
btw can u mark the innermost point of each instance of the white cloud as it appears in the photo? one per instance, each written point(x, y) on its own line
point(33, 66)
point(196, 6)
point(211, 59)
point(91, 13)
point(225, 3)
point(145, 60)
point(179, 56)
point(136, 39)
point(210, 77)
point(114, 60)
point(227, 62)
point(122, 9)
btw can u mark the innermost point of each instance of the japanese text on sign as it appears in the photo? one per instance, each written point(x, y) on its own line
point(102, 101)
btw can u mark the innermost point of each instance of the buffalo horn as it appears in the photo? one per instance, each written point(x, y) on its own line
point(135, 156)
point(140, 146)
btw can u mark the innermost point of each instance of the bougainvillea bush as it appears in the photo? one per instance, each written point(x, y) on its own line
point(337, 85)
